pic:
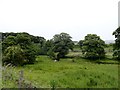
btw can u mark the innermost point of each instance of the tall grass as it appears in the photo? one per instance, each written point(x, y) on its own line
point(14, 79)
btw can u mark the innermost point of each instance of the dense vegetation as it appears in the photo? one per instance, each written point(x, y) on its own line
point(60, 46)
point(83, 64)
point(92, 47)
point(21, 48)
point(117, 43)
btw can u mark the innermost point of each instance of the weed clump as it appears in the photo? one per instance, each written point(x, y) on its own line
point(13, 79)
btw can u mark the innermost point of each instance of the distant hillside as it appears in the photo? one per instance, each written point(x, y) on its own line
point(109, 41)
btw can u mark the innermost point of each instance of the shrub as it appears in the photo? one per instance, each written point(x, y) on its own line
point(14, 55)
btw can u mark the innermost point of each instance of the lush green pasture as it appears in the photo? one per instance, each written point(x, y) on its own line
point(68, 72)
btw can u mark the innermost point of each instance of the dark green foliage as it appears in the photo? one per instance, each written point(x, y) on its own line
point(23, 40)
point(116, 46)
point(14, 55)
point(92, 47)
point(5, 35)
point(51, 54)
point(48, 46)
point(30, 54)
point(39, 44)
point(25, 43)
point(81, 43)
point(8, 41)
point(37, 39)
point(61, 44)
point(36, 48)
point(30, 46)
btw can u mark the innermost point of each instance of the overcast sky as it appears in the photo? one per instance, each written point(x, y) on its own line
point(49, 17)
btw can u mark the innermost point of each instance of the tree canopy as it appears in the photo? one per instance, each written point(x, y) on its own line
point(61, 44)
point(116, 46)
point(25, 44)
point(24, 47)
point(92, 47)
point(14, 55)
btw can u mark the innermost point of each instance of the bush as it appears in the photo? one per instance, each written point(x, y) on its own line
point(14, 55)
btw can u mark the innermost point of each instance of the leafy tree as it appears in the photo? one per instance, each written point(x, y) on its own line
point(61, 44)
point(37, 39)
point(116, 46)
point(36, 48)
point(29, 45)
point(14, 55)
point(8, 41)
point(40, 43)
point(24, 40)
point(81, 43)
point(5, 35)
point(92, 47)
point(30, 54)
point(47, 46)
point(51, 54)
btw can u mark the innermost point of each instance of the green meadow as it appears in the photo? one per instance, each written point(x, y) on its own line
point(70, 72)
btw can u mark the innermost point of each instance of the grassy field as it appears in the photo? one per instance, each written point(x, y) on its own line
point(67, 73)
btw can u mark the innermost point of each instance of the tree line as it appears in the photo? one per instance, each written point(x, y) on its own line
point(22, 48)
